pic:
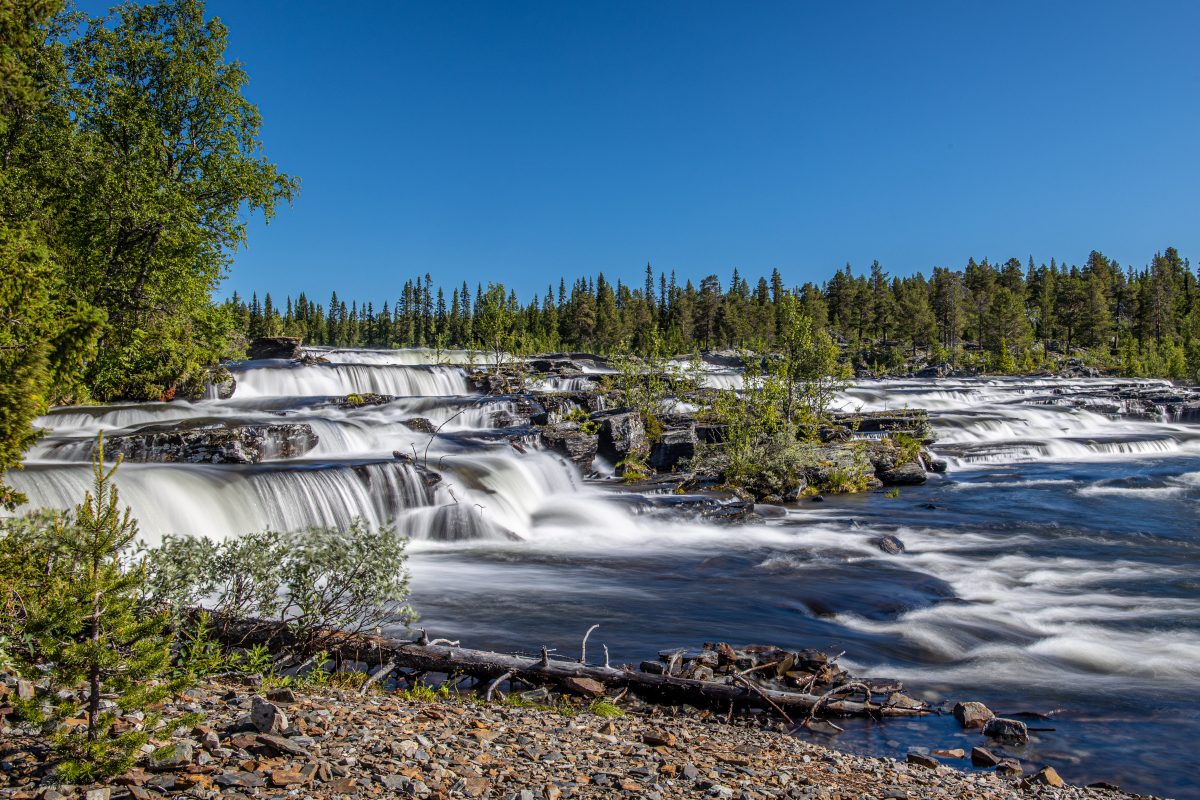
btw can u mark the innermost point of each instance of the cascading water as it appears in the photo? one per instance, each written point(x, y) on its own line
point(1051, 570)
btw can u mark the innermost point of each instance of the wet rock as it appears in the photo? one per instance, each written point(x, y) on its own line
point(1006, 730)
point(922, 760)
point(890, 544)
point(217, 444)
point(957, 752)
point(982, 757)
point(363, 400)
point(621, 433)
point(1010, 767)
point(419, 424)
point(910, 474)
point(568, 439)
point(1047, 776)
point(267, 717)
point(275, 347)
point(675, 447)
point(972, 714)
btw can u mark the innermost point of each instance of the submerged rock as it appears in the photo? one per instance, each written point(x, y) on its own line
point(238, 444)
point(1006, 730)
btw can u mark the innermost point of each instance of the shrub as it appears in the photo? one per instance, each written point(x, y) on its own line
point(317, 582)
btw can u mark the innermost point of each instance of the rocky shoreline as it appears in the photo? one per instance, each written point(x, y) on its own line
point(324, 742)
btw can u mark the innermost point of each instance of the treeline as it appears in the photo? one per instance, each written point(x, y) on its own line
point(128, 157)
point(1003, 318)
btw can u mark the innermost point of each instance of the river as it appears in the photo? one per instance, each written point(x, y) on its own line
point(1052, 570)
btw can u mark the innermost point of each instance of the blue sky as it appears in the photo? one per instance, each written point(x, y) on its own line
point(521, 141)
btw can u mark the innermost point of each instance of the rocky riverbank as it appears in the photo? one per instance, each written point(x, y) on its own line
point(323, 742)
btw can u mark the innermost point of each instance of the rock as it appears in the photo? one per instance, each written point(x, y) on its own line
point(568, 439)
point(659, 738)
point(910, 474)
point(214, 444)
point(957, 752)
point(241, 780)
point(972, 714)
point(890, 544)
point(982, 757)
point(922, 760)
point(621, 433)
point(98, 794)
point(25, 690)
point(282, 695)
point(653, 667)
point(275, 347)
point(584, 686)
point(673, 448)
point(1047, 776)
point(1010, 767)
point(172, 756)
point(281, 745)
point(363, 400)
point(420, 425)
point(1006, 730)
point(267, 717)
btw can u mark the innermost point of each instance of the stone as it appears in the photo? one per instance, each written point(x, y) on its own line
point(584, 686)
point(282, 695)
point(279, 744)
point(213, 444)
point(922, 760)
point(659, 738)
point(98, 794)
point(673, 448)
point(173, 756)
point(982, 757)
point(1047, 776)
point(1012, 731)
point(267, 717)
point(972, 714)
point(621, 433)
point(1009, 767)
point(910, 474)
point(570, 440)
point(957, 752)
point(420, 425)
point(890, 544)
point(275, 347)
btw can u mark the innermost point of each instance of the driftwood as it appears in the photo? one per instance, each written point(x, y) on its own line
point(483, 664)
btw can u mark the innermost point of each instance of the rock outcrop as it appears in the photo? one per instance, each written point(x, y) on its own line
point(217, 444)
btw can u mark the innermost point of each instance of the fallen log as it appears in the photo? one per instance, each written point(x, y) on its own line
point(485, 665)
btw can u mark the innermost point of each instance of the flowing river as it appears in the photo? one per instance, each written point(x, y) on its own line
point(1051, 571)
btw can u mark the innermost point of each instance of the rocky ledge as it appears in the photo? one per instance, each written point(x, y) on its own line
point(213, 443)
point(329, 743)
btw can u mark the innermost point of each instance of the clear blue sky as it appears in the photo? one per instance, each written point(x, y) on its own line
point(520, 141)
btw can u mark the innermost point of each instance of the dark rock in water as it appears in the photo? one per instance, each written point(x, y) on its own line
point(1006, 730)
point(933, 464)
point(239, 444)
point(568, 439)
point(310, 360)
point(674, 447)
point(419, 424)
point(910, 474)
point(890, 544)
point(275, 347)
point(816, 498)
point(982, 757)
point(972, 714)
point(352, 401)
point(621, 433)
point(922, 760)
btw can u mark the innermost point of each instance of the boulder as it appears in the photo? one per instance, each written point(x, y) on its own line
point(1047, 776)
point(419, 424)
point(972, 714)
point(621, 433)
point(177, 755)
point(275, 347)
point(215, 444)
point(673, 448)
point(568, 439)
point(267, 717)
point(1006, 730)
point(983, 758)
point(890, 544)
point(910, 474)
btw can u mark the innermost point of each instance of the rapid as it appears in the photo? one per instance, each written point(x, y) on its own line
point(1052, 570)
